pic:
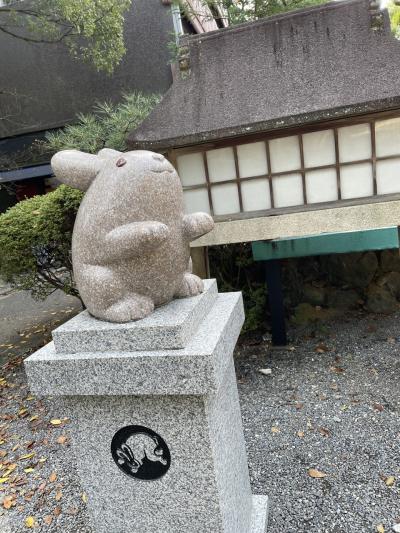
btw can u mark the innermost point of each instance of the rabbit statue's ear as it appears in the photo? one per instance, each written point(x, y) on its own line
point(76, 168)
point(109, 153)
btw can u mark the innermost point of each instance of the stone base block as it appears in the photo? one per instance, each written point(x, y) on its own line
point(259, 516)
point(157, 431)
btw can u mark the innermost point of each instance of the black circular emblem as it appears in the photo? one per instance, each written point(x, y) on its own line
point(140, 453)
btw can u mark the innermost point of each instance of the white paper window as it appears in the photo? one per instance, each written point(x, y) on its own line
point(225, 199)
point(191, 169)
point(321, 186)
point(221, 164)
point(388, 176)
point(196, 200)
point(319, 148)
point(252, 159)
point(354, 143)
point(288, 190)
point(387, 135)
point(255, 195)
point(285, 154)
point(356, 181)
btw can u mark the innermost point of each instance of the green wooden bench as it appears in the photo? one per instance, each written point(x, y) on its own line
point(270, 252)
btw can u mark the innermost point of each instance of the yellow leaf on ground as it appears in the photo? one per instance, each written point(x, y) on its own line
point(390, 481)
point(3, 480)
point(316, 473)
point(84, 497)
point(32, 418)
point(28, 456)
point(300, 434)
point(55, 422)
point(29, 470)
point(380, 528)
point(30, 522)
point(274, 429)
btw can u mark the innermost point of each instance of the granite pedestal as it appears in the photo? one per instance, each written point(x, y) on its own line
point(155, 414)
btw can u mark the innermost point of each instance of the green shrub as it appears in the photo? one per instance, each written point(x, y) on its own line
point(35, 242)
point(35, 234)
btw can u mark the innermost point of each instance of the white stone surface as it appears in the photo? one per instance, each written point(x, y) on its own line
point(259, 518)
point(189, 398)
point(195, 369)
point(169, 327)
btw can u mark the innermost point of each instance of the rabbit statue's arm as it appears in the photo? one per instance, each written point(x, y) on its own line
point(134, 239)
point(197, 224)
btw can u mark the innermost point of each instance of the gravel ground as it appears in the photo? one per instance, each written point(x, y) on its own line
point(331, 404)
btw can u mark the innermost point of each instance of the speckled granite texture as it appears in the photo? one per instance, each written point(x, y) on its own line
point(169, 327)
point(130, 247)
point(187, 396)
point(195, 369)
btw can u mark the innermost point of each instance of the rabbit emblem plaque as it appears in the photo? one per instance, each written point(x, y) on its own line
point(140, 453)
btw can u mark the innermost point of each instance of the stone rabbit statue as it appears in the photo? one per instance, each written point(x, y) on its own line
point(130, 245)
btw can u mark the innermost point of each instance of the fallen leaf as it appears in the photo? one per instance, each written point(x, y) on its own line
point(265, 371)
point(325, 432)
point(300, 434)
point(48, 520)
point(380, 528)
point(58, 495)
point(390, 481)
point(29, 470)
point(57, 511)
point(316, 473)
point(56, 422)
point(30, 522)
point(8, 502)
point(337, 369)
point(52, 477)
point(378, 407)
point(3, 480)
point(274, 429)
point(321, 348)
point(28, 456)
point(62, 439)
point(84, 497)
